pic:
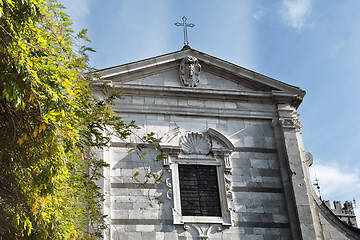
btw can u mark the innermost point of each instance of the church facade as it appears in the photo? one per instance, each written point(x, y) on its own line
point(234, 163)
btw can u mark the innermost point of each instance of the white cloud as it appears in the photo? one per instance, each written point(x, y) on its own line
point(295, 13)
point(337, 183)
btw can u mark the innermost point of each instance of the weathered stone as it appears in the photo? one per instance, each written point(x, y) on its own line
point(242, 124)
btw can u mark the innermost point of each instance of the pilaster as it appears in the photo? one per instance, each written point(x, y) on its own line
point(290, 128)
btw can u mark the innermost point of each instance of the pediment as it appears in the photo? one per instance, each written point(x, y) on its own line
point(170, 78)
point(189, 142)
point(215, 74)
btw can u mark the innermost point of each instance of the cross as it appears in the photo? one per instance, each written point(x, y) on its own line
point(317, 186)
point(185, 25)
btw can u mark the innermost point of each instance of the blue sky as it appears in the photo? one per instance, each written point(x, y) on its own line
point(312, 44)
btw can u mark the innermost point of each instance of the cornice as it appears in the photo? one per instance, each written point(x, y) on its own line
point(203, 93)
point(193, 111)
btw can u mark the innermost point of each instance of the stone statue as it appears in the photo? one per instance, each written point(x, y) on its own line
point(190, 71)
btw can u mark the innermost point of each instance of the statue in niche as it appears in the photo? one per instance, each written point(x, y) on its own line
point(190, 71)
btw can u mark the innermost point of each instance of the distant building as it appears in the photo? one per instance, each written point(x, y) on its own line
point(235, 165)
point(345, 213)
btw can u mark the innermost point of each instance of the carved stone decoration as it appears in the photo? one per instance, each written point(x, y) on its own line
point(288, 117)
point(203, 230)
point(166, 160)
point(168, 183)
point(227, 164)
point(228, 190)
point(195, 143)
point(169, 192)
point(190, 71)
point(274, 122)
point(290, 123)
point(309, 158)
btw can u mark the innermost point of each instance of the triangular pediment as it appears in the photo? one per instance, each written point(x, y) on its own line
point(215, 74)
point(170, 78)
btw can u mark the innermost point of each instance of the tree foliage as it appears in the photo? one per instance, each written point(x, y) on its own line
point(49, 123)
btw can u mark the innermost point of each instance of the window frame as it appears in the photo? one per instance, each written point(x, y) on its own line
point(219, 157)
point(177, 212)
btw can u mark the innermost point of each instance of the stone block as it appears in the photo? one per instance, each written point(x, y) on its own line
point(252, 130)
point(259, 163)
point(270, 142)
point(274, 164)
point(253, 237)
point(257, 179)
point(170, 236)
point(230, 105)
point(214, 104)
point(249, 141)
point(259, 231)
point(182, 102)
point(159, 235)
point(160, 100)
point(237, 171)
point(120, 214)
point(280, 218)
point(120, 236)
point(149, 100)
point(251, 217)
point(259, 142)
point(227, 236)
point(172, 102)
point(130, 228)
point(138, 100)
point(249, 231)
point(196, 103)
point(114, 172)
point(134, 235)
point(120, 199)
point(145, 228)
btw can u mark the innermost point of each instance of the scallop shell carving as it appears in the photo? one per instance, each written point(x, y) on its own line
point(195, 143)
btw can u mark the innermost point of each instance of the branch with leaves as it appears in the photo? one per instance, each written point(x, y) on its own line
point(50, 126)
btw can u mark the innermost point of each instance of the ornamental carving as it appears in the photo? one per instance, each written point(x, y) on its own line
point(190, 71)
point(195, 143)
point(290, 123)
point(203, 230)
point(309, 158)
point(228, 190)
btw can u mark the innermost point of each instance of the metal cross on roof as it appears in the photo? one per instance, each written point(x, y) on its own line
point(185, 25)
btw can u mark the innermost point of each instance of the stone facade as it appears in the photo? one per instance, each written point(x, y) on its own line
point(208, 112)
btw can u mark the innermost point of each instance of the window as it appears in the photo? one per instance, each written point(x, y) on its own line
point(200, 183)
point(199, 191)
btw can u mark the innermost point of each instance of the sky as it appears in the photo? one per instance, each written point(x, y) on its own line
point(312, 44)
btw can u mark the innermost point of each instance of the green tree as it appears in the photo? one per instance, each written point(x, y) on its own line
point(50, 126)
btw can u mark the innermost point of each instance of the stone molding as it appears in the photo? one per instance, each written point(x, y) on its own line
point(194, 111)
point(205, 93)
